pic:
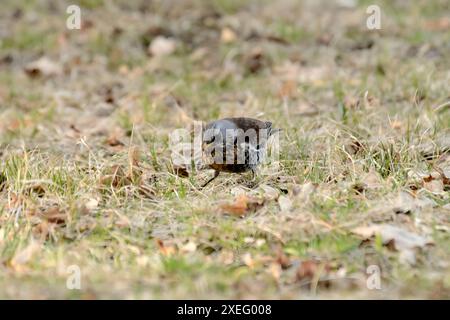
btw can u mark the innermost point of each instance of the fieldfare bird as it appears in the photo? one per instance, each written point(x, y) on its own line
point(235, 145)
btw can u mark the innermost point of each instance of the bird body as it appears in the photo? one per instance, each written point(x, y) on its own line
point(236, 145)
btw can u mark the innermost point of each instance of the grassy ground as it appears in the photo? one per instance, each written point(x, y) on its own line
point(86, 176)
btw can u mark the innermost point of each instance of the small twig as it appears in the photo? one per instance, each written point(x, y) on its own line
point(442, 106)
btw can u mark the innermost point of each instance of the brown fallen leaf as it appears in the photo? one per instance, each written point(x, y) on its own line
point(306, 270)
point(303, 192)
point(282, 259)
point(288, 89)
point(324, 39)
point(227, 35)
point(242, 205)
point(439, 146)
point(43, 67)
point(269, 193)
point(147, 184)
point(54, 215)
point(275, 270)
point(22, 257)
point(162, 46)
point(91, 204)
point(285, 203)
point(226, 257)
point(165, 250)
point(123, 222)
point(403, 239)
point(394, 237)
point(255, 61)
point(43, 230)
point(37, 189)
point(248, 260)
point(396, 125)
point(372, 180)
point(352, 102)
point(309, 270)
point(442, 24)
point(438, 180)
point(134, 155)
point(15, 201)
point(189, 247)
point(406, 203)
point(276, 39)
point(434, 185)
point(116, 177)
point(305, 109)
point(113, 141)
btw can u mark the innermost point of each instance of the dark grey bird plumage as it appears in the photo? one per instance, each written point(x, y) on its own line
point(236, 144)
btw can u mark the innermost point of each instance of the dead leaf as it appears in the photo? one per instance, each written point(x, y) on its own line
point(260, 242)
point(446, 178)
point(248, 260)
point(306, 270)
point(276, 39)
point(363, 43)
point(37, 189)
point(162, 46)
point(242, 205)
point(269, 193)
point(91, 204)
point(255, 61)
point(311, 269)
point(351, 102)
point(441, 24)
point(227, 35)
point(401, 240)
point(305, 109)
point(282, 259)
point(396, 125)
point(405, 203)
point(123, 222)
point(285, 203)
point(147, 184)
point(116, 177)
point(165, 250)
point(134, 155)
point(43, 67)
point(407, 256)
point(23, 256)
point(15, 201)
point(288, 89)
point(226, 257)
point(113, 141)
point(434, 183)
point(434, 186)
point(189, 247)
point(43, 230)
point(54, 215)
point(303, 192)
point(275, 270)
point(372, 180)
